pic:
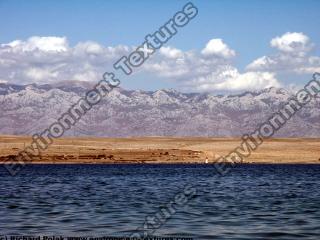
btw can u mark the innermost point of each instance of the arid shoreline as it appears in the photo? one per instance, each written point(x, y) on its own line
point(164, 150)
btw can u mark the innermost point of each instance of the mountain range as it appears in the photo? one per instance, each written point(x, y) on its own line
point(29, 109)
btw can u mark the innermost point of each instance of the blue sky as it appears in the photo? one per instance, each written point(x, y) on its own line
point(246, 26)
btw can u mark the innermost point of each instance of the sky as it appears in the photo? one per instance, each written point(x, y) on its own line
point(230, 46)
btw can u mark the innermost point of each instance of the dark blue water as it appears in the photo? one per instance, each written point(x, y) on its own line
point(250, 202)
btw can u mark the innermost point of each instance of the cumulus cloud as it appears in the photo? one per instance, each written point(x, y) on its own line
point(209, 70)
point(294, 43)
point(170, 52)
point(52, 59)
point(39, 73)
point(293, 56)
point(229, 78)
point(185, 65)
point(218, 48)
point(39, 43)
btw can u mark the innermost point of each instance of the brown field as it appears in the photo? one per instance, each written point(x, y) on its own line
point(161, 150)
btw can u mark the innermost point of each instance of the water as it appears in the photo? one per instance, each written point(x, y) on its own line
point(250, 202)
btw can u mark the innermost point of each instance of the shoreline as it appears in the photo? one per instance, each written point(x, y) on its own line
point(161, 150)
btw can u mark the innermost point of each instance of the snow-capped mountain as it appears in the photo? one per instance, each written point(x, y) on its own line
point(30, 109)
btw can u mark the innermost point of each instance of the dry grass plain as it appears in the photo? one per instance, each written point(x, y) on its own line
point(161, 150)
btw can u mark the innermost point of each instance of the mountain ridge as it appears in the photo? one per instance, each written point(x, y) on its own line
point(29, 109)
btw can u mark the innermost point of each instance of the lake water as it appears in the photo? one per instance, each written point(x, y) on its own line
point(250, 202)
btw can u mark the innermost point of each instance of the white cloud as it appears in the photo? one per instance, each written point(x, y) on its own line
point(218, 48)
point(209, 70)
point(51, 59)
point(170, 52)
point(39, 43)
point(39, 74)
point(89, 48)
point(229, 78)
point(85, 75)
point(293, 56)
point(183, 66)
point(249, 81)
point(292, 43)
point(261, 62)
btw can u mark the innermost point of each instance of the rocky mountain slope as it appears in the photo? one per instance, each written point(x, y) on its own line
point(32, 108)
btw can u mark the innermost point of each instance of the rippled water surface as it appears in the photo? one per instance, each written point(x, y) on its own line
point(250, 202)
